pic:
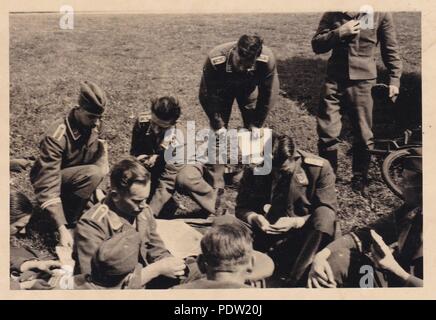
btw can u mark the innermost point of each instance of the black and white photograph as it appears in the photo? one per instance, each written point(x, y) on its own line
point(248, 150)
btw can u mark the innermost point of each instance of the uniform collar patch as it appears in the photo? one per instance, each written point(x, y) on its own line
point(72, 127)
point(302, 178)
point(229, 67)
point(114, 220)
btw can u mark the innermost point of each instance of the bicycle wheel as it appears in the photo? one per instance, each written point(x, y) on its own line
point(392, 169)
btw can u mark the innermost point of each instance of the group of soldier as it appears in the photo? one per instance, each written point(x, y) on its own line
point(287, 216)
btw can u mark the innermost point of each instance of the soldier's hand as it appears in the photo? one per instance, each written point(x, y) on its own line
point(284, 224)
point(65, 237)
point(381, 254)
point(36, 284)
point(18, 165)
point(171, 267)
point(147, 160)
point(394, 91)
point(261, 222)
point(42, 265)
point(350, 28)
point(321, 274)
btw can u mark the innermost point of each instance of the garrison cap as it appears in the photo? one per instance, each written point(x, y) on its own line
point(118, 255)
point(92, 98)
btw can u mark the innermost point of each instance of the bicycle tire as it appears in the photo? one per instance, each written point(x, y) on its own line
point(394, 158)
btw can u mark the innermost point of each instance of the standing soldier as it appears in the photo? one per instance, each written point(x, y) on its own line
point(351, 73)
point(292, 210)
point(155, 133)
point(246, 71)
point(72, 161)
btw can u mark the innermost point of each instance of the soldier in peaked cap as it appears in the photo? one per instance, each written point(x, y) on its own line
point(246, 71)
point(71, 163)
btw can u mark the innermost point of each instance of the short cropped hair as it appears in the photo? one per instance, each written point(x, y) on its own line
point(250, 46)
point(166, 108)
point(282, 150)
point(19, 206)
point(226, 246)
point(127, 172)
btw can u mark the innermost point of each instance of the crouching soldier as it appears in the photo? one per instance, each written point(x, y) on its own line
point(389, 250)
point(292, 210)
point(154, 133)
point(125, 209)
point(72, 161)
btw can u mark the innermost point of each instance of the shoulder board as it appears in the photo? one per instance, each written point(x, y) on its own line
point(59, 132)
point(263, 58)
point(302, 178)
point(314, 161)
point(114, 220)
point(99, 213)
point(144, 117)
point(146, 213)
point(218, 60)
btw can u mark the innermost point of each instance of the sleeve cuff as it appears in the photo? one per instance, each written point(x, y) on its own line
point(413, 281)
point(54, 207)
point(243, 214)
point(394, 82)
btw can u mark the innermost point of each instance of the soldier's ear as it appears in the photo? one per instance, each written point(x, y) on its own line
point(114, 195)
point(250, 264)
point(153, 101)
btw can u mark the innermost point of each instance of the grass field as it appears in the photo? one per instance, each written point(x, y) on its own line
point(136, 57)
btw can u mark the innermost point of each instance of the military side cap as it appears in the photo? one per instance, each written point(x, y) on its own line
point(118, 255)
point(92, 98)
point(413, 161)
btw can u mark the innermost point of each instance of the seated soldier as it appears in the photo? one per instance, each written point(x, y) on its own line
point(25, 264)
point(72, 161)
point(152, 135)
point(292, 210)
point(340, 263)
point(125, 209)
point(228, 259)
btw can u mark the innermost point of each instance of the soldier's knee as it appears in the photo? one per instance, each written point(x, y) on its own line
point(95, 175)
point(324, 222)
point(188, 177)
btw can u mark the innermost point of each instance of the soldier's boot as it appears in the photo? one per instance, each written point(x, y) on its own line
point(313, 241)
point(220, 208)
point(74, 206)
point(360, 166)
